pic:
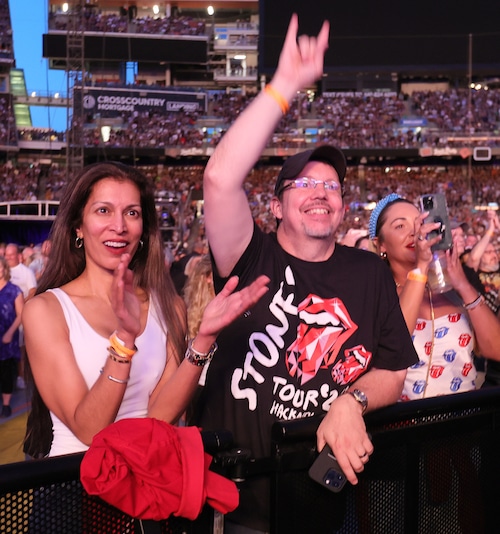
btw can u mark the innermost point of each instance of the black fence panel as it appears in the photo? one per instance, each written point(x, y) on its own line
point(435, 469)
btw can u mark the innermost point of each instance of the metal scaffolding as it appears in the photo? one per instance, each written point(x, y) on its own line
point(75, 71)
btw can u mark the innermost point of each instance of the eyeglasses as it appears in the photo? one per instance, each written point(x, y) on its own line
point(310, 183)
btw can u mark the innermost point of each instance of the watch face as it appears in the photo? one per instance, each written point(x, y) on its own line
point(360, 397)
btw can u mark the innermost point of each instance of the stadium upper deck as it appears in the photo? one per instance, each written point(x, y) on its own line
point(174, 108)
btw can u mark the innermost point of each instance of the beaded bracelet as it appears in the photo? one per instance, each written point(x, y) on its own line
point(278, 97)
point(417, 276)
point(199, 358)
point(116, 358)
point(475, 303)
point(119, 347)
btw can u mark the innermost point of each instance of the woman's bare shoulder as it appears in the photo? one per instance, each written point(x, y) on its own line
point(41, 306)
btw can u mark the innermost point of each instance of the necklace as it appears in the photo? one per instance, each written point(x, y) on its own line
point(432, 338)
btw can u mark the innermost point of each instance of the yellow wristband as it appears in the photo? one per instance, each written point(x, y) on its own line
point(278, 97)
point(121, 350)
point(417, 276)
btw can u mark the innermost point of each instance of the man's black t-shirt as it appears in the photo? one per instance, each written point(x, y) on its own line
point(320, 326)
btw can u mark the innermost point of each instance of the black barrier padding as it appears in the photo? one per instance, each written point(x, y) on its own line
point(46, 497)
point(435, 469)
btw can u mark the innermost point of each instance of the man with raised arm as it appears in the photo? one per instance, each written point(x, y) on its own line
point(331, 321)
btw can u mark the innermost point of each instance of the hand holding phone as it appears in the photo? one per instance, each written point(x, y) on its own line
point(435, 204)
point(326, 471)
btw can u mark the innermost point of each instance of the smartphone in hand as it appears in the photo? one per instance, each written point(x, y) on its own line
point(435, 204)
point(326, 471)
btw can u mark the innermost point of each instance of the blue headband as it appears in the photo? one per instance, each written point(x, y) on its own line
point(381, 204)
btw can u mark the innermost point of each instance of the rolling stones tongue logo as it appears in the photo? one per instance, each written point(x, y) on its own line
point(324, 326)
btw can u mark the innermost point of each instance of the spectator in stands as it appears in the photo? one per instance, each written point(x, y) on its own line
point(198, 292)
point(23, 277)
point(40, 258)
point(445, 326)
point(27, 255)
point(272, 352)
point(488, 271)
point(11, 307)
point(365, 243)
point(115, 325)
point(489, 274)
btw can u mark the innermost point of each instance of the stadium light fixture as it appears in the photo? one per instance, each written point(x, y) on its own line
point(156, 9)
point(65, 7)
point(210, 10)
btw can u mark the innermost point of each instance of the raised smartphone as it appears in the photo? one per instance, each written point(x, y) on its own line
point(435, 204)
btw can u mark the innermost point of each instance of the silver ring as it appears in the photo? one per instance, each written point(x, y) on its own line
point(420, 238)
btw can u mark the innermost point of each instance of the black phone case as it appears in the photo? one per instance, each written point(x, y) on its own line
point(435, 204)
point(326, 471)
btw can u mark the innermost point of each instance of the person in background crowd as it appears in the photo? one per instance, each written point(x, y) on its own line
point(445, 326)
point(116, 327)
point(40, 258)
point(22, 277)
point(319, 291)
point(27, 255)
point(198, 292)
point(364, 243)
point(484, 259)
point(11, 307)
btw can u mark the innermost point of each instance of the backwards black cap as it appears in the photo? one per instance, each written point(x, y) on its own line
point(294, 164)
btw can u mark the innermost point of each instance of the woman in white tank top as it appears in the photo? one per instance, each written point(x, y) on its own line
point(106, 332)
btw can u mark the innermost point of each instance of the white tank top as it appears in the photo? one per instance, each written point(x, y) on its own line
point(90, 349)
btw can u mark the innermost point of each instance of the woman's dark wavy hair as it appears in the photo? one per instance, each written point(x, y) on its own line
point(66, 262)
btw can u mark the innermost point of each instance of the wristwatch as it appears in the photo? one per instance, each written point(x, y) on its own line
point(359, 396)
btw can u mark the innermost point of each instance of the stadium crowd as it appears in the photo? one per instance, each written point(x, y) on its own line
point(354, 120)
point(435, 119)
point(117, 23)
point(364, 186)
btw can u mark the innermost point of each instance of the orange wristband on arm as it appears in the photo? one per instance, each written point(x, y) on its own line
point(278, 98)
point(417, 276)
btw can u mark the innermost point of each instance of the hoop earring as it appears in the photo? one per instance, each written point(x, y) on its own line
point(383, 255)
point(79, 242)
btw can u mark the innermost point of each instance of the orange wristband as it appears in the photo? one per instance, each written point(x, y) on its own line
point(119, 348)
point(417, 277)
point(278, 97)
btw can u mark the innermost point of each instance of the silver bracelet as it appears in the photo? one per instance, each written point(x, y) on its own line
point(114, 379)
point(118, 380)
point(199, 358)
point(475, 303)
